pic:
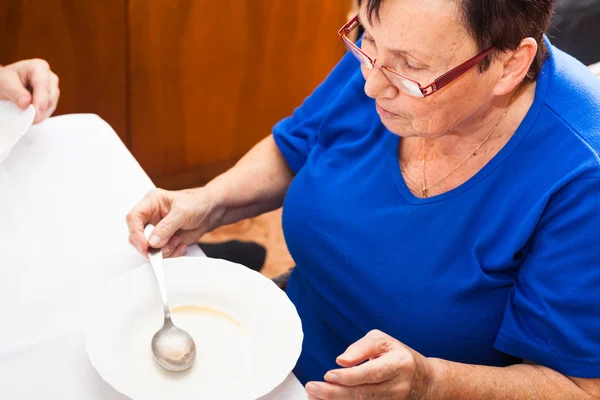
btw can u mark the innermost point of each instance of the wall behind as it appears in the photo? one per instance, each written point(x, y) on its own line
point(189, 85)
point(85, 43)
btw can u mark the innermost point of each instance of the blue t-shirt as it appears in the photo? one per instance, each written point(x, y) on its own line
point(503, 268)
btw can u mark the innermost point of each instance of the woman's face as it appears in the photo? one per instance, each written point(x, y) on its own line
point(423, 40)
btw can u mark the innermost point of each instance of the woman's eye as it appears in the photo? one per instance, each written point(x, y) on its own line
point(370, 42)
point(411, 67)
point(368, 46)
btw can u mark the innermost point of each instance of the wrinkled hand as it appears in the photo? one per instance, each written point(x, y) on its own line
point(391, 371)
point(30, 81)
point(180, 218)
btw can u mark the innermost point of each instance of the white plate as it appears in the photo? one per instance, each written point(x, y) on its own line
point(14, 122)
point(248, 334)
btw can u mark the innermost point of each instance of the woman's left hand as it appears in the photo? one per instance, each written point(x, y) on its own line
point(391, 371)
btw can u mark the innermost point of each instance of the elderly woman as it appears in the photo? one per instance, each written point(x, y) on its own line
point(440, 194)
point(30, 82)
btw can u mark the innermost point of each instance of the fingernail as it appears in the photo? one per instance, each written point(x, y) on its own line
point(312, 389)
point(154, 240)
point(331, 377)
point(346, 358)
point(23, 100)
point(184, 251)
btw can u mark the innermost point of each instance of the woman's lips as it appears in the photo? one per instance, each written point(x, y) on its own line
point(387, 114)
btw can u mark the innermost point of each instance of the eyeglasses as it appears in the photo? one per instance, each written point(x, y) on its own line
point(406, 84)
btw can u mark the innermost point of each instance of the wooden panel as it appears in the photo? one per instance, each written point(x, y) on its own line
point(84, 42)
point(210, 78)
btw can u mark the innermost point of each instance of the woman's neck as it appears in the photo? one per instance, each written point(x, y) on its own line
point(470, 146)
point(503, 118)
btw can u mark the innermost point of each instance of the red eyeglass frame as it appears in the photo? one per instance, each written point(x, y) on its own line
point(434, 86)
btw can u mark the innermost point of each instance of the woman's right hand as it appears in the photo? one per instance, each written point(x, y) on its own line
point(180, 219)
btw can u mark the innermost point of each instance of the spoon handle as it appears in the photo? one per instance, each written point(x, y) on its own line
point(156, 260)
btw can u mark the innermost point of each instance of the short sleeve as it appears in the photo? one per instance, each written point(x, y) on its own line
point(552, 316)
point(296, 135)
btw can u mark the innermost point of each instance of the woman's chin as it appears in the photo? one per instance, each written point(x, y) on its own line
point(398, 127)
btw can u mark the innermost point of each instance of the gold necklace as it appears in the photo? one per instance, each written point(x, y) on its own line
point(425, 188)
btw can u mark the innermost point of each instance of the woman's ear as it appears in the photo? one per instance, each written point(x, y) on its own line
point(515, 66)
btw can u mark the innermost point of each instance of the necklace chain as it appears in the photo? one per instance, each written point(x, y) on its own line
point(425, 188)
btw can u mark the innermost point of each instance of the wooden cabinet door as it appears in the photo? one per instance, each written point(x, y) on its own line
point(208, 79)
point(85, 44)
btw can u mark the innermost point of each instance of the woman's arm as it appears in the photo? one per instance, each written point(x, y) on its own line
point(452, 380)
point(255, 185)
point(381, 367)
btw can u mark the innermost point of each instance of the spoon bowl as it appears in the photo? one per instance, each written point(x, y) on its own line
point(173, 348)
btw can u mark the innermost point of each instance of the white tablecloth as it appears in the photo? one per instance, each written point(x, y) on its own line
point(64, 192)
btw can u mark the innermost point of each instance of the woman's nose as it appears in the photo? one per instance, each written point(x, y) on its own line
point(377, 85)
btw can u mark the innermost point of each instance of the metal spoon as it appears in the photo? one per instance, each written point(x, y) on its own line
point(173, 348)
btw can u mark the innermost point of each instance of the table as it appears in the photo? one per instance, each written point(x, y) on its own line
point(65, 189)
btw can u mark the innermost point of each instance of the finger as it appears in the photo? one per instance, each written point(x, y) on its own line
point(38, 74)
point(165, 229)
point(137, 236)
point(313, 389)
point(137, 219)
point(11, 88)
point(170, 247)
point(54, 96)
point(378, 370)
point(372, 345)
point(132, 243)
point(328, 391)
point(180, 251)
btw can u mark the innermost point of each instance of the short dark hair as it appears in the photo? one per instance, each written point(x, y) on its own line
point(503, 23)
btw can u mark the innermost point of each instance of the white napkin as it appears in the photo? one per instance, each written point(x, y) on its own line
point(14, 122)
